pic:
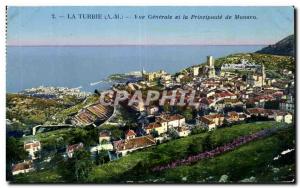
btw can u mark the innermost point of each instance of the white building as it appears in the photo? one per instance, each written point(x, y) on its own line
point(171, 121)
point(195, 71)
point(32, 147)
point(132, 143)
point(159, 127)
point(182, 131)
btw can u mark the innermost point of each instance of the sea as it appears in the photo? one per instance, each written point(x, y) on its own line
point(86, 67)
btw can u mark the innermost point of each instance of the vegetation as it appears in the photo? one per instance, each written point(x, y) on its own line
point(31, 110)
point(117, 77)
point(77, 168)
point(137, 165)
point(127, 168)
point(252, 160)
point(14, 153)
point(43, 176)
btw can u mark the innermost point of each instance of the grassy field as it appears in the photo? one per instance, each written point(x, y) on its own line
point(45, 176)
point(239, 164)
point(252, 162)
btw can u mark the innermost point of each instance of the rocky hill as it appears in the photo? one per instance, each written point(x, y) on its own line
point(285, 47)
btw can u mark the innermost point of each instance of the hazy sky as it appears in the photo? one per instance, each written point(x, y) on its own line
point(35, 26)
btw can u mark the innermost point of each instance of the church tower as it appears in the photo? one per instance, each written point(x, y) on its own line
point(263, 74)
point(211, 67)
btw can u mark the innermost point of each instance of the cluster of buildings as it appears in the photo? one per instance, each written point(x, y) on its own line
point(32, 147)
point(157, 131)
point(229, 94)
point(224, 97)
point(55, 92)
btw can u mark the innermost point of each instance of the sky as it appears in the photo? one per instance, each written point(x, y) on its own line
point(35, 26)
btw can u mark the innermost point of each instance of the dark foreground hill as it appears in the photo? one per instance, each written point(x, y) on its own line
point(285, 47)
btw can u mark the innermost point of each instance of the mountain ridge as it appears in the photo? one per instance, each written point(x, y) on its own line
point(284, 47)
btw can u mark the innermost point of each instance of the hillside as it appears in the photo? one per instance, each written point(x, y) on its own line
point(284, 47)
point(271, 62)
point(23, 112)
point(258, 154)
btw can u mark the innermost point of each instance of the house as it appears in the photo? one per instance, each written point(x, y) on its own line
point(104, 136)
point(151, 110)
point(130, 134)
point(160, 128)
point(205, 122)
point(72, 148)
point(151, 76)
point(172, 121)
point(288, 118)
point(205, 103)
point(211, 121)
point(165, 79)
point(225, 95)
point(218, 119)
point(196, 71)
point(232, 102)
point(277, 115)
point(105, 141)
point(221, 104)
point(23, 167)
point(232, 116)
point(182, 131)
point(242, 116)
point(123, 147)
point(179, 77)
point(283, 117)
point(255, 111)
point(32, 147)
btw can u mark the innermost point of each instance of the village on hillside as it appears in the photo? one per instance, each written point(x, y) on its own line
point(231, 95)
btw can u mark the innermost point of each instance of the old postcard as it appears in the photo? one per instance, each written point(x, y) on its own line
point(150, 94)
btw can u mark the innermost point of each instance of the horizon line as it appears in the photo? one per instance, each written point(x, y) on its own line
point(106, 45)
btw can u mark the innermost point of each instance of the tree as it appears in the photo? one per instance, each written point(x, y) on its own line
point(166, 108)
point(102, 157)
point(77, 168)
point(188, 114)
point(195, 147)
point(272, 105)
point(207, 142)
point(15, 151)
point(97, 92)
point(198, 130)
point(154, 133)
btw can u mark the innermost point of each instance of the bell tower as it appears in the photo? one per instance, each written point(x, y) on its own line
point(211, 67)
